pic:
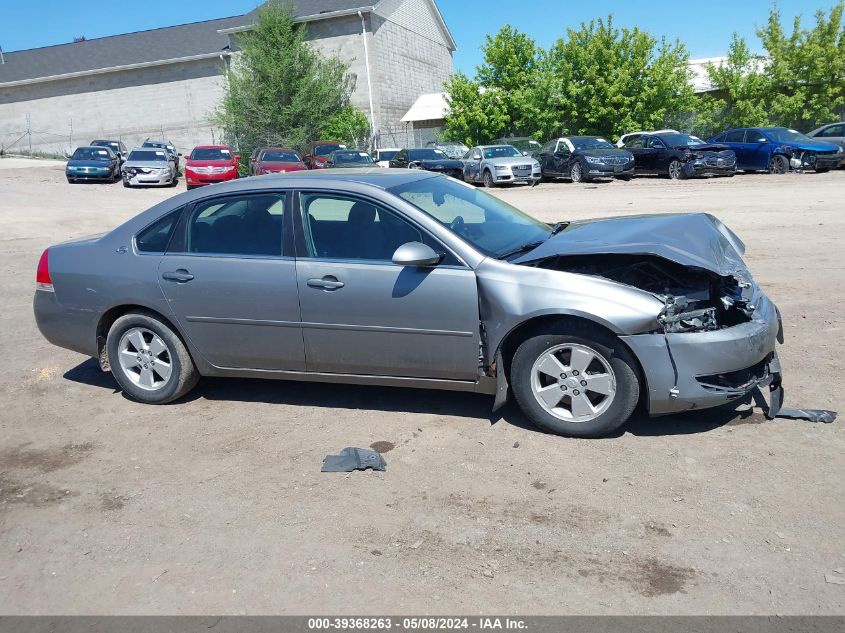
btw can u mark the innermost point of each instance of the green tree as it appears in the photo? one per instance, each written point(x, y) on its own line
point(349, 125)
point(609, 81)
point(280, 91)
point(506, 96)
point(798, 81)
point(805, 69)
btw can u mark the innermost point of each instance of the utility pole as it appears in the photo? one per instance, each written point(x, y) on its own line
point(29, 132)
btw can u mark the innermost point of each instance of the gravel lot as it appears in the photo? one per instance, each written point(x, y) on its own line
point(216, 504)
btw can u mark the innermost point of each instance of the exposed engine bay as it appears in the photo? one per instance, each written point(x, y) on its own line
point(697, 300)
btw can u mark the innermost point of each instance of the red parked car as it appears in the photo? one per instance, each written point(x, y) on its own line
point(209, 164)
point(318, 153)
point(273, 160)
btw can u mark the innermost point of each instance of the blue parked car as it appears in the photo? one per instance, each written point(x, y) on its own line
point(779, 149)
point(93, 163)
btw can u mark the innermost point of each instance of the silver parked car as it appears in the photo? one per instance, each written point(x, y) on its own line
point(831, 133)
point(500, 164)
point(148, 166)
point(408, 278)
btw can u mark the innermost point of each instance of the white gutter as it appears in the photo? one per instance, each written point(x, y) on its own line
point(367, 64)
point(305, 18)
point(114, 69)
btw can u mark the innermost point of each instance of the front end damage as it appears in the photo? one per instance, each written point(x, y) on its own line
point(714, 340)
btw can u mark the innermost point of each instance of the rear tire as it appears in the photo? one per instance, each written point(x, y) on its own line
point(612, 369)
point(148, 359)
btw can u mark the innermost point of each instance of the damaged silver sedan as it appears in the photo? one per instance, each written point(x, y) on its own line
point(407, 278)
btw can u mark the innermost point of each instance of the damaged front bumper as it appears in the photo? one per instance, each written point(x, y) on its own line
point(697, 370)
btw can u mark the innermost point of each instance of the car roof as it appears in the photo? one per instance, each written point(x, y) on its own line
point(277, 149)
point(327, 178)
point(212, 147)
point(97, 147)
point(388, 149)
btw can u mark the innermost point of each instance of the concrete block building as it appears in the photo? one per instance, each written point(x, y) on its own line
point(167, 82)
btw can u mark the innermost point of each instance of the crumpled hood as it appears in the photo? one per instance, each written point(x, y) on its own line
point(708, 147)
point(693, 239)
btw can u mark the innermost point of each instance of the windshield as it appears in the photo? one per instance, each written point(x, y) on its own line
point(113, 145)
point(491, 225)
point(501, 151)
point(340, 158)
point(281, 157)
point(325, 150)
point(211, 154)
point(159, 145)
point(426, 154)
point(454, 150)
point(681, 140)
point(785, 135)
point(92, 153)
point(589, 142)
point(150, 155)
point(526, 144)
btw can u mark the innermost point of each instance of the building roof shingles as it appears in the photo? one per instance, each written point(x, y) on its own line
point(172, 42)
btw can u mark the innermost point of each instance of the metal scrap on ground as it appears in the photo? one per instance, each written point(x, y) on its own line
point(350, 459)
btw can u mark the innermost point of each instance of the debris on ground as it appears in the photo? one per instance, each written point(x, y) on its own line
point(351, 458)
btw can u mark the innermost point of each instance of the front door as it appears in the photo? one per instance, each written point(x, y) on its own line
point(644, 157)
point(362, 314)
point(230, 286)
point(472, 166)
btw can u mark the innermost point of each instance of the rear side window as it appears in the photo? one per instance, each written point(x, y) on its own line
point(735, 136)
point(154, 238)
point(245, 225)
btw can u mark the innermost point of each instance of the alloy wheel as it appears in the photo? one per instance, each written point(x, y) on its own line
point(675, 169)
point(573, 382)
point(778, 165)
point(145, 359)
point(575, 173)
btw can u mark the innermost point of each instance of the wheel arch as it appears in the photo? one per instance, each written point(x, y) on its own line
point(544, 322)
point(111, 315)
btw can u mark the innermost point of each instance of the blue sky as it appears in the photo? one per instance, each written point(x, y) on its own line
point(705, 27)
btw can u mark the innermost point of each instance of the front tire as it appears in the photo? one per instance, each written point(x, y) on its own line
point(148, 359)
point(581, 384)
point(778, 164)
point(675, 170)
point(576, 173)
point(487, 179)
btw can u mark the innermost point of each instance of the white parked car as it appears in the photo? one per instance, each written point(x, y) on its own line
point(625, 138)
point(384, 155)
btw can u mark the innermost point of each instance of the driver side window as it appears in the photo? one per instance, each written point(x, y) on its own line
point(655, 143)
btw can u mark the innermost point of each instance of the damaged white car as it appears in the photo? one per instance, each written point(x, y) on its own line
point(411, 279)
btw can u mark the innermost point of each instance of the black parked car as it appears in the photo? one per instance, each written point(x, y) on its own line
point(680, 156)
point(429, 159)
point(117, 147)
point(583, 158)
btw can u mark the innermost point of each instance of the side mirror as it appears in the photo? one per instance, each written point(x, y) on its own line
point(416, 254)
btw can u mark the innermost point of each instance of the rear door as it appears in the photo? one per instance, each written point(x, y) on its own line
point(735, 139)
point(230, 279)
point(364, 315)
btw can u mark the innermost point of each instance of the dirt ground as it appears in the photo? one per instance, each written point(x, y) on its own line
point(216, 504)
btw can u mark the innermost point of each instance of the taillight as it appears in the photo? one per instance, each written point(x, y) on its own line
point(42, 275)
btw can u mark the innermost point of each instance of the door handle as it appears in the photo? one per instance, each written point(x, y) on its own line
point(328, 282)
point(180, 276)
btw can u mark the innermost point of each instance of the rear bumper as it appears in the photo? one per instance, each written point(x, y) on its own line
point(65, 327)
point(713, 368)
